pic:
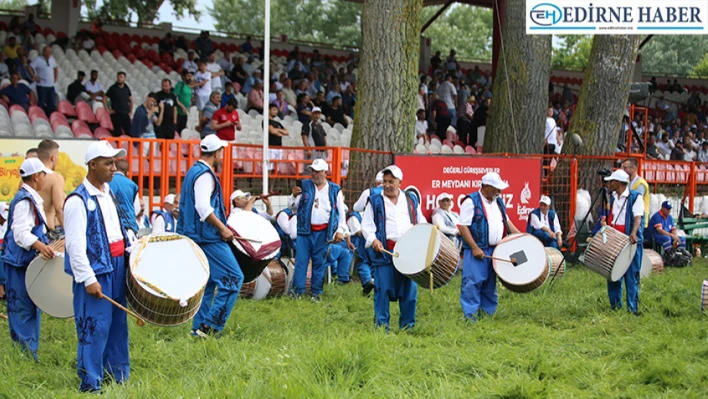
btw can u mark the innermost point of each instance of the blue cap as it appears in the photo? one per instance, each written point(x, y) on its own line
point(666, 204)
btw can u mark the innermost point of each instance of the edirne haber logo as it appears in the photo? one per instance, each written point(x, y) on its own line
point(617, 17)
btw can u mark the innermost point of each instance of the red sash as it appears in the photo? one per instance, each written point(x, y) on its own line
point(117, 248)
point(319, 227)
point(390, 244)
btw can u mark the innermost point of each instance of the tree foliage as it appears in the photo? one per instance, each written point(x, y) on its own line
point(673, 54)
point(465, 28)
point(700, 71)
point(13, 4)
point(572, 52)
point(145, 11)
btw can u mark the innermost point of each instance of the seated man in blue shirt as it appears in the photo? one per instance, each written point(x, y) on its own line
point(663, 229)
point(17, 93)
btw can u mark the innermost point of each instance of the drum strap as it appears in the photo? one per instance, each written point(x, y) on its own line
point(122, 214)
point(611, 218)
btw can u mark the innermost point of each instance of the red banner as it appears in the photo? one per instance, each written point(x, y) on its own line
point(459, 176)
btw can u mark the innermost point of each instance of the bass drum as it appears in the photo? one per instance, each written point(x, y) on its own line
point(253, 256)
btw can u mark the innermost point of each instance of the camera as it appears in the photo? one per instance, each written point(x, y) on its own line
point(604, 172)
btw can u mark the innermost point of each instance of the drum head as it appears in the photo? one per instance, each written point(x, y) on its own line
point(623, 261)
point(144, 232)
point(520, 246)
point(412, 249)
point(646, 269)
point(290, 270)
point(169, 266)
point(50, 288)
point(262, 285)
point(250, 225)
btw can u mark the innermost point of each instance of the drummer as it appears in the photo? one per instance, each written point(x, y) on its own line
point(663, 229)
point(363, 263)
point(96, 241)
point(543, 224)
point(360, 204)
point(286, 226)
point(388, 216)
point(127, 196)
point(483, 223)
point(638, 184)
point(243, 201)
point(445, 219)
point(626, 215)
point(163, 220)
point(320, 218)
point(25, 238)
point(4, 208)
point(202, 218)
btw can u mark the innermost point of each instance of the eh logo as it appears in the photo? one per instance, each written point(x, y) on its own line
point(546, 14)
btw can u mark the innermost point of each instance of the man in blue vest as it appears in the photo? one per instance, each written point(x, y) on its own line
point(360, 204)
point(663, 229)
point(25, 238)
point(388, 216)
point(127, 196)
point(4, 213)
point(320, 218)
point(142, 219)
point(163, 220)
point(543, 224)
point(626, 214)
point(445, 219)
point(483, 223)
point(363, 263)
point(202, 217)
point(96, 242)
point(243, 201)
point(286, 226)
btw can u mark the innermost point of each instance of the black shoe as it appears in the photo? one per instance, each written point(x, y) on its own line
point(295, 295)
point(316, 298)
point(205, 331)
point(342, 282)
point(368, 287)
point(566, 244)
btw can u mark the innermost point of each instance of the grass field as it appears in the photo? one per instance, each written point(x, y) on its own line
point(562, 342)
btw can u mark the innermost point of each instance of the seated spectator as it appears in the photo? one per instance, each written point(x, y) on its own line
point(543, 224)
point(238, 74)
point(207, 113)
point(678, 151)
point(247, 47)
point(335, 113)
point(663, 229)
point(94, 88)
point(76, 89)
point(296, 74)
point(251, 81)
point(272, 92)
point(349, 101)
point(26, 40)
point(190, 64)
point(304, 109)
point(255, 98)
point(226, 121)
point(421, 126)
point(228, 94)
point(702, 153)
point(10, 50)
point(314, 136)
point(225, 63)
point(288, 92)
point(652, 149)
point(336, 91)
point(25, 70)
point(145, 118)
point(182, 43)
point(4, 70)
point(280, 104)
point(17, 93)
point(166, 44)
point(321, 102)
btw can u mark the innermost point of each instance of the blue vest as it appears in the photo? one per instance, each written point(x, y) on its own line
point(377, 205)
point(307, 202)
point(359, 241)
point(287, 242)
point(537, 212)
point(169, 220)
point(13, 254)
point(628, 217)
point(188, 222)
point(146, 221)
point(480, 225)
point(98, 249)
point(125, 191)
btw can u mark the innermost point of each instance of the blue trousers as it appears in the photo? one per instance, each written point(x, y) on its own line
point(226, 277)
point(392, 286)
point(22, 314)
point(363, 264)
point(340, 258)
point(311, 247)
point(102, 330)
point(45, 99)
point(2, 272)
point(667, 242)
point(546, 239)
point(479, 285)
point(631, 282)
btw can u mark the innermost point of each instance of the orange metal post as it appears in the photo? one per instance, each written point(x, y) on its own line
point(692, 187)
point(337, 165)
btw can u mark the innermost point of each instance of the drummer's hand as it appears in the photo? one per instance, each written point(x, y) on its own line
point(350, 245)
point(227, 234)
point(377, 246)
point(478, 253)
point(45, 251)
point(603, 221)
point(338, 238)
point(296, 191)
point(95, 290)
point(633, 239)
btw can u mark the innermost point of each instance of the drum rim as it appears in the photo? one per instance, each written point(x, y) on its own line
point(44, 263)
point(438, 246)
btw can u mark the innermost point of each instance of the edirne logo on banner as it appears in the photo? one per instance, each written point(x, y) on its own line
point(617, 17)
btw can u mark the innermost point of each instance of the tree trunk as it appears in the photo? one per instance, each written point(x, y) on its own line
point(388, 83)
point(518, 110)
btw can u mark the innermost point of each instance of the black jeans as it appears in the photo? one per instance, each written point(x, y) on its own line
point(121, 124)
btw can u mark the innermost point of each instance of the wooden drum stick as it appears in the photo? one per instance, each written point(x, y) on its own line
point(140, 321)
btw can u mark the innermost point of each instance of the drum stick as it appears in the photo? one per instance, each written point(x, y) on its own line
point(2, 316)
point(395, 255)
point(512, 260)
point(247, 239)
point(140, 321)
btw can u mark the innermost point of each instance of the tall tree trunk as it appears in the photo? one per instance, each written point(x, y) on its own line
point(388, 83)
point(517, 113)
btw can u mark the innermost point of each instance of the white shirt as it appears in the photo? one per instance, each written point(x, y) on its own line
point(23, 219)
point(200, 77)
point(619, 208)
point(353, 225)
point(158, 223)
point(440, 217)
point(288, 224)
point(664, 147)
point(191, 66)
point(494, 218)
point(45, 70)
point(421, 128)
point(94, 88)
point(261, 213)
point(215, 80)
point(398, 220)
point(322, 208)
point(551, 132)
point(203, 189)
point(447, 91)
point(538, 224)
point(75, 220)
point(690, 155)
point(360, 204)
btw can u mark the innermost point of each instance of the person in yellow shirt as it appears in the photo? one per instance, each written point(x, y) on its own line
point(10, 50)
point(638, 184)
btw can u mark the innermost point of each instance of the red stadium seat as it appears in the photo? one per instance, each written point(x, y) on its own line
point(101, 133)
point(85, 113)
point(36, 113)
point(57, 119)
point(16, 108)
point(80, 129)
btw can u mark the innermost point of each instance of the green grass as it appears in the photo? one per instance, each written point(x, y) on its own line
point(562, 342)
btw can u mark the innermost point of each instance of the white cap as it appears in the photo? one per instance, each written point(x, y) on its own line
point(444, 196)
point(493, 179)
point(170, 199)
point(316, 109)
point(618, 175)
point(31, 166)
point(545, 200)
point(103, 149)
point(379, 176)
point(395, 171)
point(319, 165)
point(212, 143)
point(4, 209)
point(239, 194)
